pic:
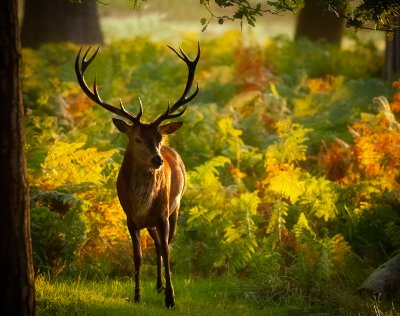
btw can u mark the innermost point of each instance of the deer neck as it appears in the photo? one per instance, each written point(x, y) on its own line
point(143, 182)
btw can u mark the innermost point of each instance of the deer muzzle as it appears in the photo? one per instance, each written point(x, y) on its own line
point(157, 161)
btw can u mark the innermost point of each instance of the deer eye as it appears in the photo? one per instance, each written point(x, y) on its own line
point(137, 140)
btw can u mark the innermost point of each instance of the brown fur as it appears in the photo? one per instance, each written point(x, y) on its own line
point(148, 194)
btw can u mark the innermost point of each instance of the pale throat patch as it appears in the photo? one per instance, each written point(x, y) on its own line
point(144, 192)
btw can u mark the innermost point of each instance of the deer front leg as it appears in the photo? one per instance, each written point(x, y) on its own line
point(163, 233)
point(137, 258)
point(157, 244)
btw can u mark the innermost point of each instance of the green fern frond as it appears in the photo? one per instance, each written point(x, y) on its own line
point(320, 197)
point(302, 229)
point(291, 145)
point(277, 222)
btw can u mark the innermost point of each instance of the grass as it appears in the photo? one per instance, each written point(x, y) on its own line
point(113, 297)
point(213, 296)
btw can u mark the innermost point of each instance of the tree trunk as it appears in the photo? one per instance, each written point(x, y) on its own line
point(16, 267)
point(392, 55)
point(60, 21)
point(318, 24)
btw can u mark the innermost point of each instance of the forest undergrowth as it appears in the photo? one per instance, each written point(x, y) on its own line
point(292, 152)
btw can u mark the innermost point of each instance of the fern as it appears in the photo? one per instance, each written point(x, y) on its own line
point(240, 242)
point(302, 229)
point(227, 139)
point(291, 145)
point(287, 183)
point(277, 221)
point(319, 196)
point(228, 217)
point(256, 200)
point(68, 163)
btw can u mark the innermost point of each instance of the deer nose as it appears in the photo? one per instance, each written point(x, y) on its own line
point(157, 161)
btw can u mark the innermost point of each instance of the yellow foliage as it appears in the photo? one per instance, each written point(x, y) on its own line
point(320, 91)
point(69, 163)
point(225, 126)
point(287, 184)
point(224, 45)
point(325, 84)
point(304, 106)
point(274, 90)
point(320, 197)
point(290, 147)
point(107, 222)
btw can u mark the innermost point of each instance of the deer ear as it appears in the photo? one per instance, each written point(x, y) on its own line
point(121, 125)
point(169, 128)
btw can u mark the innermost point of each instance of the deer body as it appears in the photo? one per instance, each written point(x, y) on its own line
point(151, 199)
point(145, 194)
point(151, 179)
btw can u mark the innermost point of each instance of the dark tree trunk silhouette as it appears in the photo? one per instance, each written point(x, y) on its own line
point(392, 55)
point(16, 268)
point(60, 21)
point(317, 24)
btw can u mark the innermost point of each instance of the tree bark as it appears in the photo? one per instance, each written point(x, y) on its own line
point(60, 21)
point(16, 267)
point(318, 24)
point(392, 55)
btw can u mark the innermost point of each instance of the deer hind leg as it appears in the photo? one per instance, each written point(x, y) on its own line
point(137, 258)
point(163, 233)
point(157, 244)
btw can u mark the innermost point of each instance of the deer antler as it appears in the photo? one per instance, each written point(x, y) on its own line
point(81, 65)
point(191, 64)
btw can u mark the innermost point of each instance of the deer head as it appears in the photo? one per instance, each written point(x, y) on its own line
point(144, 138)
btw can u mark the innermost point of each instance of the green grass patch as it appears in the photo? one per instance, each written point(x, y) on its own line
point(115, 297)
point(201, 296)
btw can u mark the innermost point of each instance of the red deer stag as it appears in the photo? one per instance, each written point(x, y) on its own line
point(152, 178)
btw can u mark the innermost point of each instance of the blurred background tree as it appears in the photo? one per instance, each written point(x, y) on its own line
point(318, 24)
point(60, 21)
point(376, 15)
point(392, 54)
point(324, 20)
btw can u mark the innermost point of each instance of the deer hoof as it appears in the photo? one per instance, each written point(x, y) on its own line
point(169, 298)
point(169, 302)
point(160, 288)
point(137, 298)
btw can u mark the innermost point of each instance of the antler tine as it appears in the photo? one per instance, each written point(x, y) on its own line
point(85, 63)
point(168, 114)
point(81, 64)
point(140, 109)
point(184, 99)
point(191, 71)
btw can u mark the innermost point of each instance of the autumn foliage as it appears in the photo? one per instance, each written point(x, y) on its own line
point(293, 163)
